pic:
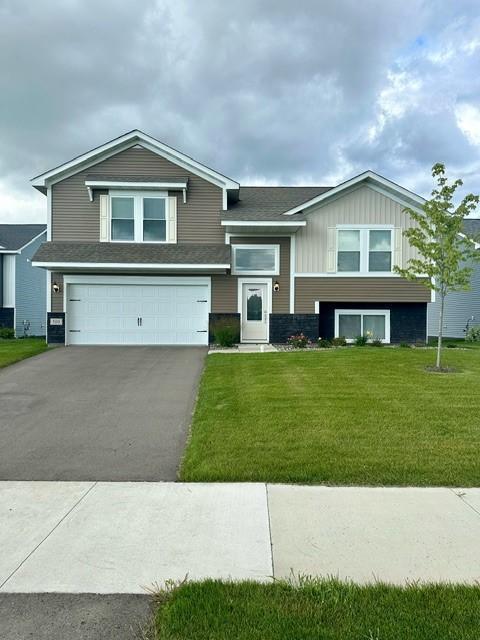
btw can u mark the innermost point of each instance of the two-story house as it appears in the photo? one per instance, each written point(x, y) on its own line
point(147, 246)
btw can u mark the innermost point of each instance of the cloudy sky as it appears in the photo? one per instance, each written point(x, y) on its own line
point(266, 91)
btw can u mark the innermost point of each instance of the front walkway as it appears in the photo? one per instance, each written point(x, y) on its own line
point(87, 537)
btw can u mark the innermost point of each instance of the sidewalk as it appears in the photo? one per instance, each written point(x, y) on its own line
point(85, 537)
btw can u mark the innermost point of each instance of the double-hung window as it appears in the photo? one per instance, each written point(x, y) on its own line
point(372, 323)
point(138, 217)
point(363, 250)
point(256, 259)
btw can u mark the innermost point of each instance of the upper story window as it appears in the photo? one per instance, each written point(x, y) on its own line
point(256, 259)
point(139, 217)
point(364, 250)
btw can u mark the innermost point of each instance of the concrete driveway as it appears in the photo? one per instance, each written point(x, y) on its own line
point(98, 413)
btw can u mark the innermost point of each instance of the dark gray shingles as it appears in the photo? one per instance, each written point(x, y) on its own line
point(471, 227)
point(133, 253)
point(16, 236)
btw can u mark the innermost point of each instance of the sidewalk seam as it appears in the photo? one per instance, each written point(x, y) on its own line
point(270, 530)
point(465, 502)
point(29, 555)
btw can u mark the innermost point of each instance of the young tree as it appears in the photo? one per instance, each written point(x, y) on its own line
point(445, 254)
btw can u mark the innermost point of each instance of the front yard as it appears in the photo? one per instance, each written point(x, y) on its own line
point(364, 416)
point(15, 350)
point(213, 610)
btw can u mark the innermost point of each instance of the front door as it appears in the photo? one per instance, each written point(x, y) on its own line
point(254, 312)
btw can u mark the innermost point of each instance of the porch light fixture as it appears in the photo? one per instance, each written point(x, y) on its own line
point(55, 288)
point(276, 286)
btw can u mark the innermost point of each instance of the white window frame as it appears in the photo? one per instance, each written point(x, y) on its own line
point(365, 248)
point(138, 197)
point(276, 270)
point(361, 313)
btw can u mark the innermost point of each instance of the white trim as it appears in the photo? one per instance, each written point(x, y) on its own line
point(361, 313)
point(364, 247)
point(373, 227)
point(276, 270)
point(110, 184)
point(406, 196)
point(317, 306)
point(224, 199)
point(138, 216)
point(49, 291)
point(346, 274)
point(49, 213)
point(127, 140)
point(293, 258)
point(126, 265)
point(253, 280)
point(262, 223)
point(9, 268)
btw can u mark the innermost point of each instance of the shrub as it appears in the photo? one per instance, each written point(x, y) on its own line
point(323, 343)
point(6, 333)
point(298, 341)
point(341, 341)
point(376, 342)
point(473, 334)
point(405, 345)
point(225, 333)
point(361, 341)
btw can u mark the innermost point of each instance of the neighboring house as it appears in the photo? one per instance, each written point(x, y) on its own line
point(148, 246)
point(22, 286)
point(462, 308)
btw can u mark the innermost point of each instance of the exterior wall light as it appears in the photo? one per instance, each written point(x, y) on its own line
point(276, 286)
point(55, 288)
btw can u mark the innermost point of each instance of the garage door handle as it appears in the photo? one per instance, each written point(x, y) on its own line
point(202, 300)
point(74, 300)
point(139, 322)
point(202, 331)
point(74, 330)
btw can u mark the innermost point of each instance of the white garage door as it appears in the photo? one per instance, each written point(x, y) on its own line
point(137, 314)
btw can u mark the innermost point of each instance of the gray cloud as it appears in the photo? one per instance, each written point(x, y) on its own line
point(274, 92)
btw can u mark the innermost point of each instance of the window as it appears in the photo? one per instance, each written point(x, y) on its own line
point(364, 250)
point(138, 217)
point(256, 259)
point(373, 323)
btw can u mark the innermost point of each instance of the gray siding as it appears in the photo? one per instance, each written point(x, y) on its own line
point(225, 288)
point(75, 218)
point(30, 292)
point(57, 298)
point(459, 307)
point(334, 289)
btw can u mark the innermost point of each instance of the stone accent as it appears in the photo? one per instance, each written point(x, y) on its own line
point(231, 318)
point(283, 325)
point(6, 317)
point(55, 331)
point(408, 320)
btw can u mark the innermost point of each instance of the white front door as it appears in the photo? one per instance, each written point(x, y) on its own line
point(255, 315)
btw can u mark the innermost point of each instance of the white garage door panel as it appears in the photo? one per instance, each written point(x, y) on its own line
point(108, 314)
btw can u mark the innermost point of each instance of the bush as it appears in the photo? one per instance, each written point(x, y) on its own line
point(376, 342)
point(361, 341)
point(323, 343)
point(6, 333)
point(341, 341)
point(473, 334)
point(405, 345)
point(298, 341)
point(225, 333)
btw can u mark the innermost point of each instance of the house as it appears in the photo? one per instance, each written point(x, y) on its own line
point(462, 308)
point(22, 286)
point(147, 246)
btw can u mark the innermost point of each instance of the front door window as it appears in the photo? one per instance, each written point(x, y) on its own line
point(254, 304)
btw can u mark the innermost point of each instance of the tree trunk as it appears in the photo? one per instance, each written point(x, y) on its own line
point(440, 331)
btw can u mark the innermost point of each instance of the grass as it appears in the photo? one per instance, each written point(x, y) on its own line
point(317, 610)
point(15, 350)
point(360, 415)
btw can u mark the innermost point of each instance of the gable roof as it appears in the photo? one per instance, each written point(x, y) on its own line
point(370, 178)
point(269, 203)
point(125, 141)
point(14, 237)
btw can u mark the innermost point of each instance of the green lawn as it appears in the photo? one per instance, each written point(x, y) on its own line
point(14, 350)
point(369, 416)
point(318, 610)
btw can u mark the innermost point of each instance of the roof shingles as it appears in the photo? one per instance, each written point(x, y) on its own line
point(270, 203)
point(15, 236)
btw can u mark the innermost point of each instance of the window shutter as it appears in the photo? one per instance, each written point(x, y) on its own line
point(104, 218)
point(331, 250)
point(172, 219)
point(397, 247)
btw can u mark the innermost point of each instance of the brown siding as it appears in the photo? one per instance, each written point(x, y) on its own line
point(57, 298)
point(308, 290)
point(74, 217)
point(224, 288)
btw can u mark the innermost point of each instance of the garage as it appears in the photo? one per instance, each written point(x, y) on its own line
point(118, 311)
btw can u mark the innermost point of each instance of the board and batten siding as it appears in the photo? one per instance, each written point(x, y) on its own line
point(460, 306)
point(362, 205)
point(225, 287)
point(75, 218)
point(310, 290)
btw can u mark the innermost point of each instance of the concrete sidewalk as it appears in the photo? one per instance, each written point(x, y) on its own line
point(84, 537)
